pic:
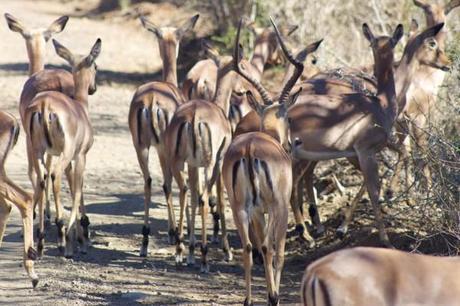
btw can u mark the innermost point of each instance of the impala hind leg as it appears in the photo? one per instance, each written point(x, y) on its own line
point(221, 211)
point(204, 209)
point(179, 176)
point(193, 182)
point(241, 219)
point(297, 202)
point(369, 168)
point(143, 158)
point(48, 190)
point(311, 194)
point(76, 202)
point(279, 235)
point(172, 232)
point(39, 197)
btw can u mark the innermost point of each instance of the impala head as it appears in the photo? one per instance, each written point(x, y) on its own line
point(274, 117)
point(426, 49)
point(310, 61)
point(269, 36)
point(84, 67)
point(169, 37)
point(434, 12)
point(36, 39)
point(383, 46)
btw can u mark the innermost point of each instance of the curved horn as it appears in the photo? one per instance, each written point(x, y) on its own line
point(236, 63)
point(298, 66)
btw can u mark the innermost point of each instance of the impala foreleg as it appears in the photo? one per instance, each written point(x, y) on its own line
point(369, 168)
point(343, 228)
point(76, 203)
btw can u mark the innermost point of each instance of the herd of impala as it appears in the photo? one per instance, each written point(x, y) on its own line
point(262, 147)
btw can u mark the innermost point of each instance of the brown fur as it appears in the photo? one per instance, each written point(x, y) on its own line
point(387, 277)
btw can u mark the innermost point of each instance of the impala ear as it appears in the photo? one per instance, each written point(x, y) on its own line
point(397, 35)
point(94, 53)
point(420, 3)
point(56, 27)
point(64, 53)
point(14, 24)
point(188, 26)
point(151, 27)
point(368, 33)
point(413, 27)
point(259, 108)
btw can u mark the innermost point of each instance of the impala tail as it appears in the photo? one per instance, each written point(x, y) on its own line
point(151, 124)
point(251, 177)
point(199, 142)
point(46, 129)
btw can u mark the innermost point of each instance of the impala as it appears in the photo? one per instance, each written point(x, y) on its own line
point(417, 53)
point(150, 112)
point(199, 134)
point(11, 194)
point(423, 94)
point(257, 174)
point(381, 277)
point(59, 125)
point(39, 78)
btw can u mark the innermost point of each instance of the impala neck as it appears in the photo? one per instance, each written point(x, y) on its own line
point(404, 75)
point(225, 80)
point(169, 59)
point(386, 85)
point(81, 89)
point(36, 53)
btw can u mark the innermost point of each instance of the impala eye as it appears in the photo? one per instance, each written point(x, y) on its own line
point(433, 44)
point(314, 61)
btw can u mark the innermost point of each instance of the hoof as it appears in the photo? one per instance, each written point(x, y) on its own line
point(341, 232)
point(300, 229)
point(212, 201)
point(204, 268)
point(228, 256)
point(320, 230)
point(389, 194)
point(215, 239)
point(247, 302)
point(191, 260)
point(61, 250)
point(32, 254)
point(273, 300)
point(68, 256)
point(257, 257)
point(179, 259)
point(143, 252)
point(35, 283)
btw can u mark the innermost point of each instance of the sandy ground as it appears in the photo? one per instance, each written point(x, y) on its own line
point(112, 272)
